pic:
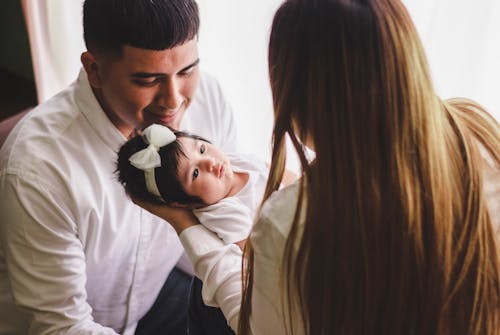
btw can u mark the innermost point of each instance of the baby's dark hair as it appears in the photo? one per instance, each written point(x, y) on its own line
point(166, 176)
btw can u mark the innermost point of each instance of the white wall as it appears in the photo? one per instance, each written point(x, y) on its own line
point(460, 38)
point(463, 47)
point(56, 40)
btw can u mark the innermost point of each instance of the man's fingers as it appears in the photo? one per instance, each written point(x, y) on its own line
point(142, 203)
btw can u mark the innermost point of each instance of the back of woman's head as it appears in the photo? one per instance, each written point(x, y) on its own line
point(396, 233)
point(166, 175)
point(346, 69)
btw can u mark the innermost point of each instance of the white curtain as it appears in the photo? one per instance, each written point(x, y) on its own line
point(460, 37)
point(56, 40)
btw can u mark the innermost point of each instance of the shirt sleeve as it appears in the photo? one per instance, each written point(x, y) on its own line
point(45, 259)
point(219, 267)
point(268, 245)
point(230, 219)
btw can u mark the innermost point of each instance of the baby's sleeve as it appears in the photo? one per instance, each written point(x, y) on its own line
point(230, 219)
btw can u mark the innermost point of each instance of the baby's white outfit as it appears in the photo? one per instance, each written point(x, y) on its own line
point(232, 218)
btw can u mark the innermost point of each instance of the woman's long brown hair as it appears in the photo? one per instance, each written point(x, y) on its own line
point(397, 237)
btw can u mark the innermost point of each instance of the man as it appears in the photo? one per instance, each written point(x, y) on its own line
point(76, 255)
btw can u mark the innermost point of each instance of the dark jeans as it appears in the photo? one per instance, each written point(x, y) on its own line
point(204, 320)
point(168, 315)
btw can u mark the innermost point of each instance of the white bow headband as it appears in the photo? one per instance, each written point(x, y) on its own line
point(156, 136)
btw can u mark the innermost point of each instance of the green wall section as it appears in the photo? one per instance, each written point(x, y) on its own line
point(14, 45)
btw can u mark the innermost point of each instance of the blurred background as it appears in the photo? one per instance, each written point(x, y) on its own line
point(41, 43)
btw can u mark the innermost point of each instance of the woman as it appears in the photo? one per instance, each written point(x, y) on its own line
point(392, 229)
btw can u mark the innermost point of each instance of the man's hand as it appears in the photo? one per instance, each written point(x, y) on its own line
point(179, 218)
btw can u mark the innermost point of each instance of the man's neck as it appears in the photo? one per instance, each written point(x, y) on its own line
point(125, 129)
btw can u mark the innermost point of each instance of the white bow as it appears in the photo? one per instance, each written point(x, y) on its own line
point(156, 136)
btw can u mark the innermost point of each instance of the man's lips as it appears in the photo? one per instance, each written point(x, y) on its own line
point(168, 118)
point(163, 115)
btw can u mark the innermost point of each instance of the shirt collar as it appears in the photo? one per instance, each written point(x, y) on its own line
point(93, 112)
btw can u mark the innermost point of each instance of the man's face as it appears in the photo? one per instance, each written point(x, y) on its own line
point(205, 172)
point(147, 86)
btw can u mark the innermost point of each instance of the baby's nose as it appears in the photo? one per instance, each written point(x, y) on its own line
point(209, 163)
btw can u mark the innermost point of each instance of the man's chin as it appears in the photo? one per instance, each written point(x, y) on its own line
point(173, 125)
point(169, 123)
point(172, 121)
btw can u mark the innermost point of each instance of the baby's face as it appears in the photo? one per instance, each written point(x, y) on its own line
point(205, 172)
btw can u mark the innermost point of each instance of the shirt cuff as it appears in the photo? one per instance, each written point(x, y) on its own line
point(198, 240)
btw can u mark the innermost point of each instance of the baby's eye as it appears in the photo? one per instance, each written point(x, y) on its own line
point(196, 172)
point(202, 148)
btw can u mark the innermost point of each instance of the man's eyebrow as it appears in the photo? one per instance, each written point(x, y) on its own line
point(147, 75)
point(161, 75)
point(193, 64)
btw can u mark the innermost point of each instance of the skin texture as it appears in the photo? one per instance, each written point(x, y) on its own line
point(207, 173)
point(182, 217)
point(144, 86)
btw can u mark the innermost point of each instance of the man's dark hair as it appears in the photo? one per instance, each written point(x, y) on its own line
point(166, 176)
point(108, 25)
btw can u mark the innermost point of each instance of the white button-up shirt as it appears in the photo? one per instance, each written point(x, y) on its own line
point(76, 255)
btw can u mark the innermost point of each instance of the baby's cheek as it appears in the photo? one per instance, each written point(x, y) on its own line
point(205, 187)
point(205, 190)
point(213, 192)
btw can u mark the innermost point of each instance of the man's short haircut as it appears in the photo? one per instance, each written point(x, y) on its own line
point(108, 25)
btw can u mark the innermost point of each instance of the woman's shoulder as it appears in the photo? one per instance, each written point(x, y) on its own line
point(272, 228)
point(279, 209)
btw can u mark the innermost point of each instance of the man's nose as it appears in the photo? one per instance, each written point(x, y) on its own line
point(169, 95)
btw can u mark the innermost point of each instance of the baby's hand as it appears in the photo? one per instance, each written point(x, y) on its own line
point(179, 218)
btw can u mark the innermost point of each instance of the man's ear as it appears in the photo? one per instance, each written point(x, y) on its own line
point(91, 66)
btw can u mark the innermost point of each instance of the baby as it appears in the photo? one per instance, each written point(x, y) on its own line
point(180, 169)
